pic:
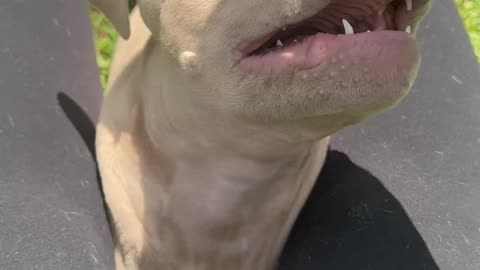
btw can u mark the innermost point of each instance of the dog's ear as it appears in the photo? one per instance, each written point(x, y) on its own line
point(150, 10)
point(117, 12)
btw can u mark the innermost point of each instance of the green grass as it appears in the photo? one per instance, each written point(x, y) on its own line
point(105, 36)
point(470, 13)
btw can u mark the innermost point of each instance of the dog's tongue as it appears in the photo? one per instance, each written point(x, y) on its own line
point(339, 54)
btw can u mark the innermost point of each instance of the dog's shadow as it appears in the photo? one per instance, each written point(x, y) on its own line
point(86, 129)
point(351, 221)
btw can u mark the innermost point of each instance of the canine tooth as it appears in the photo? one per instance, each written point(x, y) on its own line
point(348, 27)
point(279, 43)
point(409, 4)
point(408, 29)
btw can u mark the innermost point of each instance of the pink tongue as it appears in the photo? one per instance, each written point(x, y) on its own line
point(337, 52)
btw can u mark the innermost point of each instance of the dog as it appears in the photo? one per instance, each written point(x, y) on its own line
point(218, 115)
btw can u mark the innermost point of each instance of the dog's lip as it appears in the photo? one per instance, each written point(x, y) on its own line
point(286, 57)
point(338, 53)
point(250, 45)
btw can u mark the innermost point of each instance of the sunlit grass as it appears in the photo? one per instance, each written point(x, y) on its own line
point(105, 37)
point(470, 13)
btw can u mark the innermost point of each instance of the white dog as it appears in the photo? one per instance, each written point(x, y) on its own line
point(217, 118)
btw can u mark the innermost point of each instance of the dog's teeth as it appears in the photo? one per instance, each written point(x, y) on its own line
point(348, 27)
point(408, 29)
point(284, 28)
point(368, 31)
point(279, 43)
point(409, 4)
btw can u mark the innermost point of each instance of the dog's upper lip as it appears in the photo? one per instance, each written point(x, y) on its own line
point(250, 45)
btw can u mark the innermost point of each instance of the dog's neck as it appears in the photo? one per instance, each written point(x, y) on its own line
point(201, 180)
point(214, 187)
point(245, 204)
point(225, 159)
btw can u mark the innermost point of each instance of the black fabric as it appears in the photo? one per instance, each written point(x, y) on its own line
point(51, 211)
point(402, 191)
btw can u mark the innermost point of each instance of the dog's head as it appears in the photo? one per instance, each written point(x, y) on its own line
point(287, 63)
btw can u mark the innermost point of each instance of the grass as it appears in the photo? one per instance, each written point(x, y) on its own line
point(105, 35)
point(470, 13)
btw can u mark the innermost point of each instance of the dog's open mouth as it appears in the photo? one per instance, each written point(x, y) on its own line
point(304, 45)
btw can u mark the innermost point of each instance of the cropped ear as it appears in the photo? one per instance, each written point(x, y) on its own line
point(151, 10)
point(117, 12)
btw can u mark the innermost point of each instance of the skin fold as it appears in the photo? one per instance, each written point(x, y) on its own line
point(205, 166)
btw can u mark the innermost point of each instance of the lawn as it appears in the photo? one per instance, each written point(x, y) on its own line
point(105, 35)
point(470, 13)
